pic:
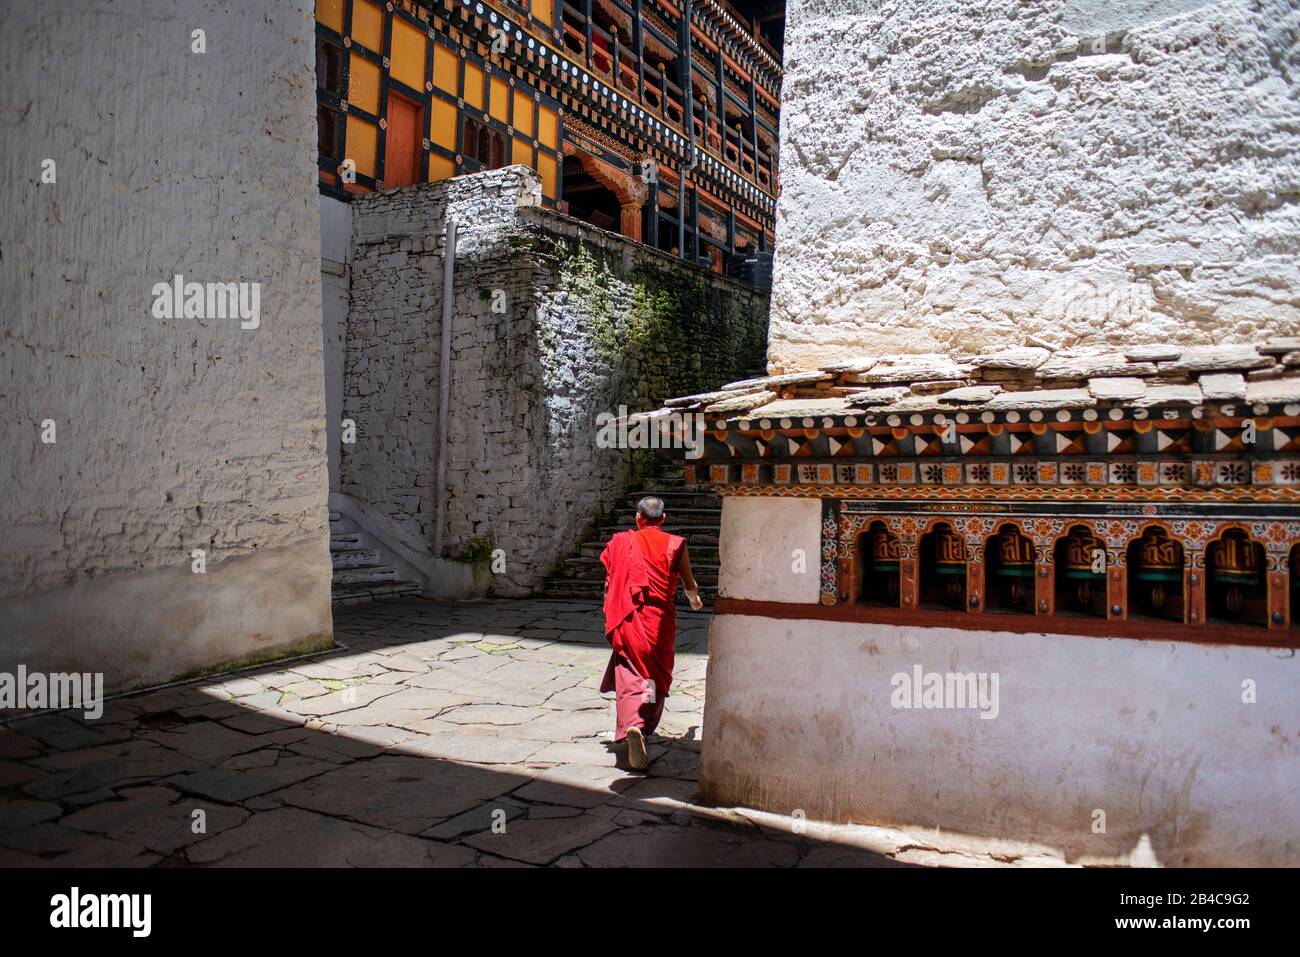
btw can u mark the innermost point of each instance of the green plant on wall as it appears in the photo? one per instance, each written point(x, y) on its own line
point(475, 550)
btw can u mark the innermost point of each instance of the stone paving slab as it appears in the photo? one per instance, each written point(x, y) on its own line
point(437, 734)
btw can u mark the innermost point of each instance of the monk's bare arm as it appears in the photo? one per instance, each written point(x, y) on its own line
point(689, 585)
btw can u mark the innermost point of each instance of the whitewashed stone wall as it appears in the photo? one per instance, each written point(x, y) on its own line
point(171, 434)
point(591, 321)
point(970, 174)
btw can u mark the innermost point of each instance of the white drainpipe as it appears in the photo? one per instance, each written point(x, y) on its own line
point(444, 392)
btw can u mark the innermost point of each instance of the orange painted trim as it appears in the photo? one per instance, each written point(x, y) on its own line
point(1134, 628)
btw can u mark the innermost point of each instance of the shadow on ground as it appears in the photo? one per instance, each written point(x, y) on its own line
point(451, 735)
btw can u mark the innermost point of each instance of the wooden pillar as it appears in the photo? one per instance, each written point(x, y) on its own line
point(630, 220)
point(1194, 586)
point(721, 66)
point(694, 239)
point(1116, 586)
point(909, 582)
point(975, 570)
point(1279, 596)
point(638, 43)
point(586, 25)
point(1044, 585)
point(652, 203)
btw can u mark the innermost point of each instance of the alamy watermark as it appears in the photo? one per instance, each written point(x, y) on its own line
point(946, 690)
point(34, 690)
point(1087, 301)
point(179, 299)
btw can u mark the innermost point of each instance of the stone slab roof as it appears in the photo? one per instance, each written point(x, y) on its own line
point(1022, 378)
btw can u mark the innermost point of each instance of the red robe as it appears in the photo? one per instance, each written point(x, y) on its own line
point(640, 623)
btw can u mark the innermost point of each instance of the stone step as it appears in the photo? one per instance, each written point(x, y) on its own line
point(365, 577)
point(357, 558)
point(680, 516)
point(696, 535)
point(702, 554)
point(361, 569)
point(346, 542)
point(580, 567)
point(677, 499)
point(362, 596)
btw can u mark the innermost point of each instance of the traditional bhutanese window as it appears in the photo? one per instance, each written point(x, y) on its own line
point(446, 69)
point(543, 10)
point(1080, 563)
point(363, 140)
point(363, 84)
point(368, 25)
point(329, 66)
point(1155, 576)
point(329, 133)
point(407, 56)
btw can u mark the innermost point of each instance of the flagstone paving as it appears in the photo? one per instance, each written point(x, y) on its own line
point(437, 734)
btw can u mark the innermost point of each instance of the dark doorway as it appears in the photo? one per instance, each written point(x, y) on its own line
point(588, 199)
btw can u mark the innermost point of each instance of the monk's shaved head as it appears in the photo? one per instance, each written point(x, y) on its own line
point(651, 509)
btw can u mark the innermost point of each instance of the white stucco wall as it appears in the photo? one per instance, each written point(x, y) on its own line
point(770, 549)
point(965, 175)
point(798, 715)
point(172, 434)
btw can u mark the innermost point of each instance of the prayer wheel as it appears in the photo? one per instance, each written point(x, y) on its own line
point(1080, 566)
point(1160, 562)
point(950, 562)
point(885, 559)
point(1015, 564)
point(1236, 569)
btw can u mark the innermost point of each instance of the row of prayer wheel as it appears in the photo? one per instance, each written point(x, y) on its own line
point(1235, 567)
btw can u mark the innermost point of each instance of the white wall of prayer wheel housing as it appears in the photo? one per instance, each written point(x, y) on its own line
point(770, 549)
point(800, 715)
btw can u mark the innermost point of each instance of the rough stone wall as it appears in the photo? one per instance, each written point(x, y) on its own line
point(971, 174)
point(172, 434)
point(591, 321)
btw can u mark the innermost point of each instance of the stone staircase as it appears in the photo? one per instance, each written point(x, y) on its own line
point(692, 512)
point(362, 570)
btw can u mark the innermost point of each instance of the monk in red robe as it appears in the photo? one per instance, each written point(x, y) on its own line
point(642, 569)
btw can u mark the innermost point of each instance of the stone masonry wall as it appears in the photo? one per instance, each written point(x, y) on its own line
point(171, 434)
point(591, 321)
point(973, 174)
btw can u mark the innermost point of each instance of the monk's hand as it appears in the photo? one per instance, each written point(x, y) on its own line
point(694, 598)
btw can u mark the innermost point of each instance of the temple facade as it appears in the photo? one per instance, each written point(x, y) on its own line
point(654, 119)
point(1011, 532)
